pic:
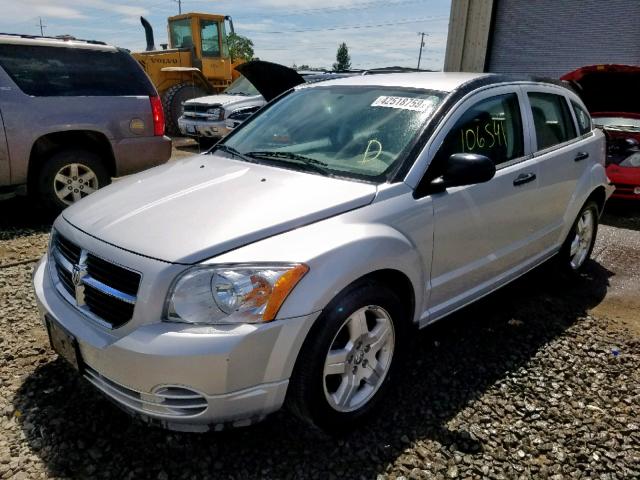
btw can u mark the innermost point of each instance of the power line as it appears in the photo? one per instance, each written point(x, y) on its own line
point(355, 27)
point(179, 2)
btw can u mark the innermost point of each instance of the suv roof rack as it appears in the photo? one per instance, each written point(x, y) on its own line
point(61, 38)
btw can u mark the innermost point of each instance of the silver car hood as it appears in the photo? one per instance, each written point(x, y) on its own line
point(190, 210)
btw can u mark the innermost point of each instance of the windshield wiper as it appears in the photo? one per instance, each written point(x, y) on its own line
point(310, 163)
point(232, 151)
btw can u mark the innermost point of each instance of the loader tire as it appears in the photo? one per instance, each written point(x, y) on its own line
point(172, 104)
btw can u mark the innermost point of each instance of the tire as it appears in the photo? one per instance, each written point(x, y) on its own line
point(322, 398)
point(172, 104)
point(577, 247)
point(68, 176)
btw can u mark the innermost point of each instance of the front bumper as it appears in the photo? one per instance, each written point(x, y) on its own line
point(192, 127)
point(182, 377)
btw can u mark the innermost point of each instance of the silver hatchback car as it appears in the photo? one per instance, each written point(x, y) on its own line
point(292, 263)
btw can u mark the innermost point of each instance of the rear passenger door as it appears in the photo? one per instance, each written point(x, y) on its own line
point(485, 234)
point(563, 152)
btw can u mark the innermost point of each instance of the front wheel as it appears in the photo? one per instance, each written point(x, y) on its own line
point(578, 246)
point(349, 359)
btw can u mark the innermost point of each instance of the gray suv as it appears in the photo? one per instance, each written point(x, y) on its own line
point(74, 114)
point(293, 263)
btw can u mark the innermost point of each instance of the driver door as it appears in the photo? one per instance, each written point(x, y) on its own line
point(484, 234)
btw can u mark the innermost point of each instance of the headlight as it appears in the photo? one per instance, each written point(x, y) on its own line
point(217, 113)
point(232, 294)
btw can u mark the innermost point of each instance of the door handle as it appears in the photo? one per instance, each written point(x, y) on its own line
point(581, 156)
point(524, 178)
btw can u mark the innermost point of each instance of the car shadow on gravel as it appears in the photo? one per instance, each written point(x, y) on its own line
point(79, 434)
point(20, 213)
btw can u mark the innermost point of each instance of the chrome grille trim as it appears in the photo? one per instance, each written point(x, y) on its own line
point(83, 291)
point(107, 290)
point(182, 402)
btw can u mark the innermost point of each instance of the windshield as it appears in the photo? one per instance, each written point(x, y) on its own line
point(617, 122)
point(241, 86)
point(357, 132)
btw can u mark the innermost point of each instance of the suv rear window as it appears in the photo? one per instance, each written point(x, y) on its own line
point(68, 72)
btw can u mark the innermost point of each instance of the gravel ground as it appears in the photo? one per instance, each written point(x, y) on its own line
point(533, 381)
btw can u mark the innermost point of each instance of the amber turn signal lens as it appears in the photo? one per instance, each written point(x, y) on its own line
point(281, 290)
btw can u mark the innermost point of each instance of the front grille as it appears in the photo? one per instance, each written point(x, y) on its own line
point(105, 291)
point(204, 112)
point(169, 401)
point(67, 249)
point(113, 275)
point(195, 108)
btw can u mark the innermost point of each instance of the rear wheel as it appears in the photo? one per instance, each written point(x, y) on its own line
point(350, 358)
point(172, 103)
point(69, 176)
point(578, 246)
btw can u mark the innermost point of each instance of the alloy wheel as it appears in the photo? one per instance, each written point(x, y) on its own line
point(359, 358)
point(582, 240)
point(74, 182)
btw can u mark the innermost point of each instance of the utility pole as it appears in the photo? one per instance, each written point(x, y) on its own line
point(42, 27)
point(179, 2)
point(422, 35)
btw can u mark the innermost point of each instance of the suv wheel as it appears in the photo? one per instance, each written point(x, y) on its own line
point(69, 176)
point(578, 246)
point(349, 358)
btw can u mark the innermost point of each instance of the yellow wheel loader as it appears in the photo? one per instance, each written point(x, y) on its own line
point(194, 63)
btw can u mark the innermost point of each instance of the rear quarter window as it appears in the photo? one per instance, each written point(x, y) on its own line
point(43, 71)
point(584, 119)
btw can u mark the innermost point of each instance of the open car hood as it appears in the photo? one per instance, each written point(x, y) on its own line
point(270, 79)
point(607, 88)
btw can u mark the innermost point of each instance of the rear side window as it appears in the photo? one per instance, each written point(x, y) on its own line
point(68, 72)
point(492, 127)
point(584, 120)
point(552, 119)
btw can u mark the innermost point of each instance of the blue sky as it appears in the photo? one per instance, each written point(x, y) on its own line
point(378, 33)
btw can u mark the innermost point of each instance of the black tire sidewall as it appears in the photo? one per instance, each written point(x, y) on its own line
point(565, 252)
point(51, 166)
point(309, 383)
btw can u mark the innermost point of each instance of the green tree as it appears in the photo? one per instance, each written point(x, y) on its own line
point(343, 60)
point(240, 48)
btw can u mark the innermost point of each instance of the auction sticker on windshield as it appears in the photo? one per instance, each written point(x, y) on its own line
point(405, 103)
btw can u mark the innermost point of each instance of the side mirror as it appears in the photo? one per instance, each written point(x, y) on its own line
point(466, 169)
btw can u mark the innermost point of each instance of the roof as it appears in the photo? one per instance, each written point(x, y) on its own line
point(441, 81)
point(17, 39)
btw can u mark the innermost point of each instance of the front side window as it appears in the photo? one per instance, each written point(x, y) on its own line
point(360, 132)
point(67, 72)
point(180, 33)
point(209, 36)
point(551, 118)
point(584, 120)
point(492, 127)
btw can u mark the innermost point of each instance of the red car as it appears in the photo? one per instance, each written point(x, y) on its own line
point(610, 92)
